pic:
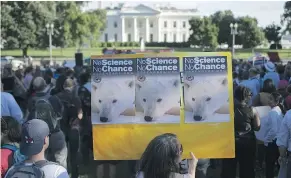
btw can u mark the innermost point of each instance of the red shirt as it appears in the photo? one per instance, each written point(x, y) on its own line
point(6, 156)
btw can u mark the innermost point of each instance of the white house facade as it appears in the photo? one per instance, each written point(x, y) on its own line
point(158, 24)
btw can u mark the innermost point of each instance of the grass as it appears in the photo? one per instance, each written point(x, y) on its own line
point(69, 52)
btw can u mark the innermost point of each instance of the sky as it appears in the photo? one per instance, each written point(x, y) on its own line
point(266, 12)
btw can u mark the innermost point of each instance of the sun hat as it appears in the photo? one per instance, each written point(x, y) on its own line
point(33, 135)
point(270, 66)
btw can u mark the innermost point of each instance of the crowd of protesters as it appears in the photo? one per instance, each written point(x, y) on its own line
point(46, 126)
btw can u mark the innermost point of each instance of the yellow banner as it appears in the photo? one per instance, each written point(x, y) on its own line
point(134, 98)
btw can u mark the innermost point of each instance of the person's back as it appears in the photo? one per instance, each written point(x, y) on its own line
point(9, 107)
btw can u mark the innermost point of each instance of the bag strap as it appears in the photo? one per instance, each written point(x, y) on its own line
point(9, 147)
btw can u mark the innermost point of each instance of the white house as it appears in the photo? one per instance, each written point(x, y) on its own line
point(152, 24)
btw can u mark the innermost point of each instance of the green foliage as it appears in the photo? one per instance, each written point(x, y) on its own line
point(222, 20)
point(249, 34)
point(272, 33)
point(286, 17)
point(204, 33)
point(23, 24)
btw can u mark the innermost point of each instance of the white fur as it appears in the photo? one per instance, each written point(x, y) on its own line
point(205, 94)
point(157, 95)
point(113, 96)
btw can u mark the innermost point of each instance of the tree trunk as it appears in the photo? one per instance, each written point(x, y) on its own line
point(24, 52)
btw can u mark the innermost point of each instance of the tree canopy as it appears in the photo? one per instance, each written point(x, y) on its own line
point(286, 17)
point(273, 33)
point(24, 24)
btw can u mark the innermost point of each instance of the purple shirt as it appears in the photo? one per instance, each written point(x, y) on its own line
point(27, 80)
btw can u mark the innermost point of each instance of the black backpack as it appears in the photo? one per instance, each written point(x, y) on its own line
point(21, 170)
point(44, 111)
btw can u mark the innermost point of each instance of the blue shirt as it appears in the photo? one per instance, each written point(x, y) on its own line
point(284, 134)
point(274, 76)
point(9, 107)
point(253, 84)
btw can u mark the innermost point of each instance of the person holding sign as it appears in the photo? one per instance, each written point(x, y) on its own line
point(246, 122)
point(162, 159)
point(274, 120)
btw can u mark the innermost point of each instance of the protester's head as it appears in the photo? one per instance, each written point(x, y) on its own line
point(280, 69)
point(34, 137)
point(243, 94)
point(48, 76)
point(270, 67)
point(104, 50)
point(39, 84)
point(283, 84)
point(161, 157)
point(69, 84)
point(253, 72)
point(84, 78)
point(28, 70)
point(245, 75)
point(274, 99)
point(10, 130)
point(18, 74)
point(268, 86)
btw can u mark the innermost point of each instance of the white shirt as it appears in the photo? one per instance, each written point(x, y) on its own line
point(273, 124)
point(284, 133)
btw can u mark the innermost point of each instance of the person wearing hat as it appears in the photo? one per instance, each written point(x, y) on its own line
point(271, 73)
point(34, 142)
point(284, 140)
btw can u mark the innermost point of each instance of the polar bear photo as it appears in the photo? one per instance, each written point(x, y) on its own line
point(112, 100)
point(206, 98)
point(158, 99)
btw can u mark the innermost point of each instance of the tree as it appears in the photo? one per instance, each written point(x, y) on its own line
point(249, 33)
point(204, 33)
point(222, 20)
point(22, 22)
point(286, 17)
point(272, 33)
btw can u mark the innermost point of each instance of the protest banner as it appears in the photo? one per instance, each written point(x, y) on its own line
point(125, 134)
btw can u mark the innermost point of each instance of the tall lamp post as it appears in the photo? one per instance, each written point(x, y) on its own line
point(50, 32)
point(233, 32)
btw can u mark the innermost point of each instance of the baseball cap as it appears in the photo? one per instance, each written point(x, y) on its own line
point(32, 137)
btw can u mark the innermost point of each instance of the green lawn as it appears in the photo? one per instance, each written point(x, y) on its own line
point(69, 52)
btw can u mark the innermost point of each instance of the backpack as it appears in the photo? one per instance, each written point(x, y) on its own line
point(44, 111)
point(16, 157)
point(21, 170)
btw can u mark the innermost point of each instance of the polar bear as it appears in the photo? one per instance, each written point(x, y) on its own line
point(112, 97)
point(205, 95)
point(157, 96)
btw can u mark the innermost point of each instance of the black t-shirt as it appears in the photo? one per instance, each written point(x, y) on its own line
point(243, 121)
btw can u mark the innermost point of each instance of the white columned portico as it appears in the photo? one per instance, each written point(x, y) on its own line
point(147, 29)
point(122, 29)
point(135, 29)
point(158, 29)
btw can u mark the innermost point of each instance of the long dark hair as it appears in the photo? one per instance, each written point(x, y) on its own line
point(161, 157)
point(269, 86)
point(11, 128)
point(242, 94)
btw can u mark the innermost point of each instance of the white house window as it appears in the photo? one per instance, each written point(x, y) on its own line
point(165, 37)
point(115, 24)
point(165, 24)
point(151, 37)
point(175, 38)
point(129, 37)
point(106, 37)
point(175, 24)
point(115, 37)
point(152, 24)
point(184, 37)
point(184, 24)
